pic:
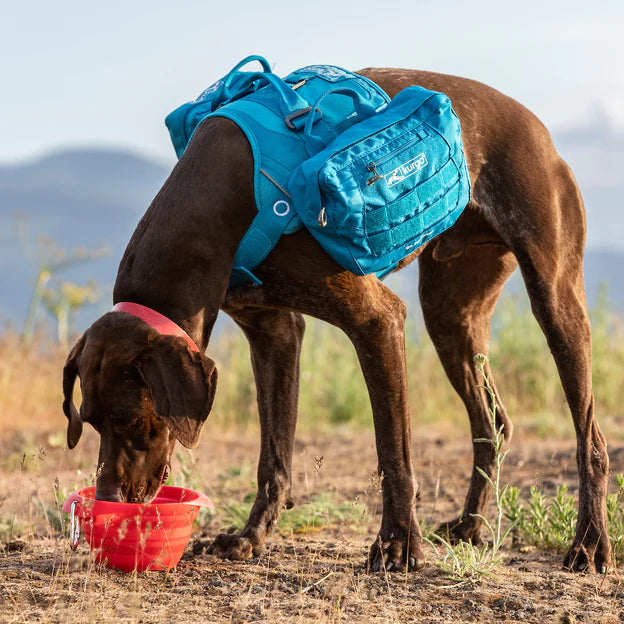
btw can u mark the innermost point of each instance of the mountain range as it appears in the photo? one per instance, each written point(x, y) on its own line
point(93, 198)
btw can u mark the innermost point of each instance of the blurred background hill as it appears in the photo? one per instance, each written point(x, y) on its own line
point(81, 198)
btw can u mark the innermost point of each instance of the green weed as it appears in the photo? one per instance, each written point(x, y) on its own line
point(548, 523)
point(52, 513)
point(321, 511)
point(187, 476)
point(10, 529)
point(465, 561)
point(234, 514)
point(615, 518)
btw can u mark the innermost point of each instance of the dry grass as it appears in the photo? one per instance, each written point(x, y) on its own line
point(313, 574)
point(312, 568)
point(30, 384)
point(30, 379)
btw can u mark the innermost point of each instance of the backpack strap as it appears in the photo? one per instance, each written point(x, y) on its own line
point(276, 214)
point(266, 229)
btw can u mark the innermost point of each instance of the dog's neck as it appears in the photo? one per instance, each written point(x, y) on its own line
point(180, 257)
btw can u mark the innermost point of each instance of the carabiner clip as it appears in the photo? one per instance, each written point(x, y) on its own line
point(322, 217)
point(74, 526)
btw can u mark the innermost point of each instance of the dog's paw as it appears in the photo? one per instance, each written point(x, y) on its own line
point(395, 555)
point(461, 530)
point(234, 547)
point(587, 557)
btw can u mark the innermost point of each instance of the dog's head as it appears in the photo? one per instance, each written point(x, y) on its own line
point(140, 391)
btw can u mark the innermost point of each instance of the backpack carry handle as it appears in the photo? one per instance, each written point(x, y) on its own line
point(235, 78)
point(291, 101)
point(363, 109)
point(266, 68)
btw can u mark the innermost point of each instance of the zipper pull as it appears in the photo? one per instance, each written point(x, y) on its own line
point(372, 167)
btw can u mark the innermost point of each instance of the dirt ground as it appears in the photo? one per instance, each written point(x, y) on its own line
point(313, 576)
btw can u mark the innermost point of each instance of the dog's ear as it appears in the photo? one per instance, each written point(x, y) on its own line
point(182, 384)
point(74, 425)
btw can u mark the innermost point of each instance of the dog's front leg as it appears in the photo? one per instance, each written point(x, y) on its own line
point(378, 336)
point(275, 342)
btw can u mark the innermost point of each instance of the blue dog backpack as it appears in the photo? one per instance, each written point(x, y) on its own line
point(387, 185)
point(371, 179)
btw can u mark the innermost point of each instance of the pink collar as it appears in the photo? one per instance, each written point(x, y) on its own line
point(159, 322)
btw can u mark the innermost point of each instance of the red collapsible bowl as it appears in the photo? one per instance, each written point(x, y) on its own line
point(137, 537)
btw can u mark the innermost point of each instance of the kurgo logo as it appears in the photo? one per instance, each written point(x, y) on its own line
point(406, 170)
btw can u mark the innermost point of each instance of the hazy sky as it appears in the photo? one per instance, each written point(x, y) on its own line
point(80, 72)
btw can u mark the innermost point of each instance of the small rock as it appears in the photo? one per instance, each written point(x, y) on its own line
point(216, 583)
point(510, 603)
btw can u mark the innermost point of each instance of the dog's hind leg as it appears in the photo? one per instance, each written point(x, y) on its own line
point(275, 341)
point(458, 296)
point(546, 232)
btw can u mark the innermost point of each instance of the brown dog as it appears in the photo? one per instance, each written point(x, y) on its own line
point(142, 390)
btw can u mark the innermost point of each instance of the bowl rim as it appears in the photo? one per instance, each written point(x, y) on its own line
point(86, 494)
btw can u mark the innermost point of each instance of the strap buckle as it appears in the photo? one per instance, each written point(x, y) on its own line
point(300, 113)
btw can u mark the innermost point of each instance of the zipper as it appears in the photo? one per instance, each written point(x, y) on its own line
point(372, 166)
point(400, 149)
